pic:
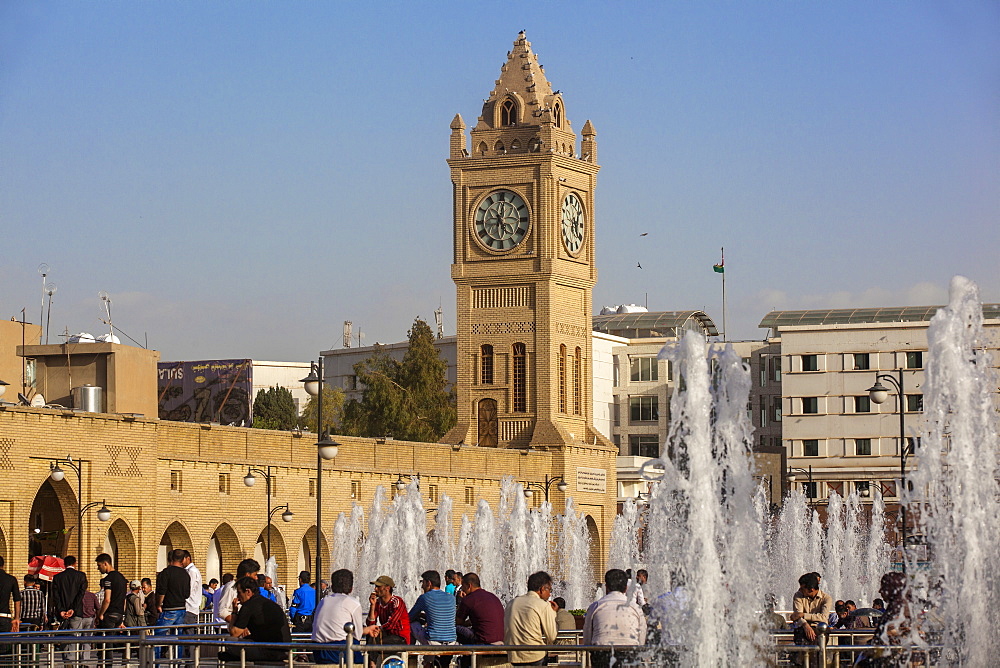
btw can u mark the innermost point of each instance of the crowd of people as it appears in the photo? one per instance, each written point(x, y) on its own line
point(453, 610)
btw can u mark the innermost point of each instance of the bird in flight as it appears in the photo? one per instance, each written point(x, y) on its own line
point(644, 234)
point(638, 264)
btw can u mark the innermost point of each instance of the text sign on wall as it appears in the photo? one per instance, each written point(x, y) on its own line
point(591, 480)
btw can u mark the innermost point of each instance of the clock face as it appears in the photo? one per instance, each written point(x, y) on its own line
point(572, 223)
point(502, 220)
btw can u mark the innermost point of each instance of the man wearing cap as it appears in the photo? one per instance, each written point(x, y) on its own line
point(388, 622)
point(303, 605)
point(135, 612)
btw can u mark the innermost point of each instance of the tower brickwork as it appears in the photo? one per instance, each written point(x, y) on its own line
point(523, 265)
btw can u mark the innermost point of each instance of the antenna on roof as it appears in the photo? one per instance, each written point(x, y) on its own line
point(348, 329)
point(439, 320)
point(50, 289)
point(106, 298)
point(43, 271)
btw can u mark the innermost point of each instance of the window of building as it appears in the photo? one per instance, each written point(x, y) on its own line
point(616, 413)
point(763, 416)
point(578, 382)
point(810, 404)
point(352, 382)
point(776, 369)
point(644, 369)
point(810, 489)
point(175, 481)
point(432, 493)
point(223, 483)
point(862, 487)
point(670, 369)
point(810, 362)
point(617, 440)
point(470, 496)
point(912, 444)
point(486, 364)
point(644, 409)
point(557, 115)
point(498, 147)
point(562, 379)
point(777, 409)
point(763, 375)
point(810, 447)
point(312, 487)
point(862, 361)
point(862, 404)
point(914, 403)
point(508, 112)
point(520, 378)
point(862, 446)
point(914, 359)
point(355, 489)
point(643, 445)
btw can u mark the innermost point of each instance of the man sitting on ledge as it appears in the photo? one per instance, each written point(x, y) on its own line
point(260, 620)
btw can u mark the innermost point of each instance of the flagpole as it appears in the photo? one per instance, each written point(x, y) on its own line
point(725, 331)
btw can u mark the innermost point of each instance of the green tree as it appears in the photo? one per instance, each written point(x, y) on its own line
point(333, 408)
point(274, 408)
point(408, 400)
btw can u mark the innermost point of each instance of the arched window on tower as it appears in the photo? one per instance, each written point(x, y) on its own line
point(557, 115)
point(498, 147)
point(515, 145)
point(578, 382)
point(508, 112)
point(562, 379)
point(486, 364)
point(520, 378)
point(482, 148)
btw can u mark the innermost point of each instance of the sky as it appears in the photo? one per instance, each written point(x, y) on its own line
point(242, 177)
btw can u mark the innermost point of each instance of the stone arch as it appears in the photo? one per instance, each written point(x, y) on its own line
point(508, 112)
point(278, 550)
point(175, 537)
point(482, 149)
point(498, 147)
point(515, 145)
point(53, 520)
point(223, 552)
point(119, 542)
point(307, 552)
point(596, 567)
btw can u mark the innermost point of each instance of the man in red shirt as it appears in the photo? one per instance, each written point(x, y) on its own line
point(388, 620)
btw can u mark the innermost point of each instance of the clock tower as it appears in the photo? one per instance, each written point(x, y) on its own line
point(524, 266)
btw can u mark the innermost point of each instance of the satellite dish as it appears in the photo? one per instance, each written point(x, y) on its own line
point(82, 337)
point(38, 401)
point(108, 338)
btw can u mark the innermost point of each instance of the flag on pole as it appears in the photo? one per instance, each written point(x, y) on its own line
point(721, 267)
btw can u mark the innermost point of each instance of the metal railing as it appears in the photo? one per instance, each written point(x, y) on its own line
point(140, 648)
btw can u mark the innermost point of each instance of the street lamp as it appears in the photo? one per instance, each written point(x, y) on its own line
point(558, 480)
point(401, 486)
point(879, 393)
point(249, 480)
point(58, 474)
point(3, 388)
point(811, 486)
point(326, 448)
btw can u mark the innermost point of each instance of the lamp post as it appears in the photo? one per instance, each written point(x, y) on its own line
point(326, 448)
point(57, 474)
point(556, 480)
point(249, 480)
point(879, 393)
point(791, 479)
point(401, 486)
point(285, 517)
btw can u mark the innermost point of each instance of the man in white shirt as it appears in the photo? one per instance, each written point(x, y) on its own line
point(335, 610)
point(634, 593)
point(613, 620)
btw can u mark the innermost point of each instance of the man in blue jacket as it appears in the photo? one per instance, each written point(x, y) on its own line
point(303, 605)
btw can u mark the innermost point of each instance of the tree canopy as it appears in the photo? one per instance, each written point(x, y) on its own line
point(407, 400)
point(274, 408)
point(333, 408)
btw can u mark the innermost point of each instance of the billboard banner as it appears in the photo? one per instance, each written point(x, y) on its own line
point(206, 391)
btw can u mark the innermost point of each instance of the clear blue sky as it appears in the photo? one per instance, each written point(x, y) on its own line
point(242, 177)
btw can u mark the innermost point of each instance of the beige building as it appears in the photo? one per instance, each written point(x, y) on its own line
point(832, 432)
